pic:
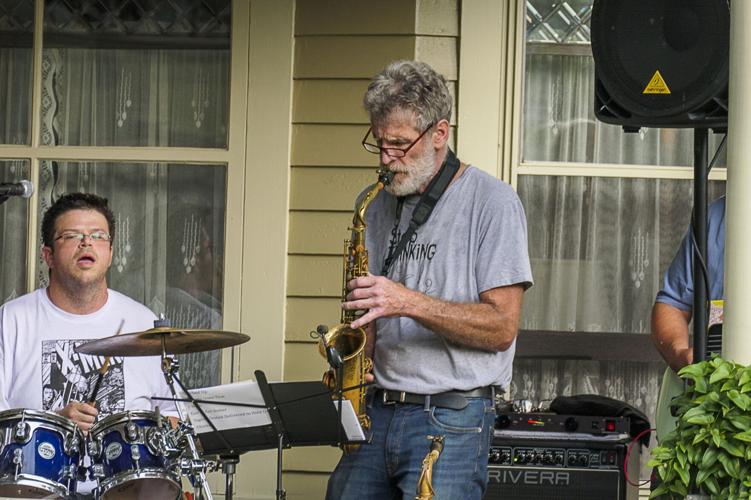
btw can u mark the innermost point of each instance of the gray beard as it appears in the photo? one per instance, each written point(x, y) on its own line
point(418, 176)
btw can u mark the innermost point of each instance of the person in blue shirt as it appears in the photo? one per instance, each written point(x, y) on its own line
point(673, 306)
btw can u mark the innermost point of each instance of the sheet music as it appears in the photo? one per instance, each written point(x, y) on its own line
point(351, 425)
point(226, 417)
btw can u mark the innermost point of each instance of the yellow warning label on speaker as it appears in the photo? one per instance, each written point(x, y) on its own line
point(657, 85)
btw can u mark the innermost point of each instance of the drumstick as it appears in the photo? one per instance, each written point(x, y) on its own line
point(103, 370)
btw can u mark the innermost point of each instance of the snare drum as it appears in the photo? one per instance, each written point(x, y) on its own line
point(39, 454)
point(130, 457)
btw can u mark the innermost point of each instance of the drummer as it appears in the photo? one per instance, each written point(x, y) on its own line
point(39, 368)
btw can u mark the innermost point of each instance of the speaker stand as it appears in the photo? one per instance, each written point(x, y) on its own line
point(700, 315)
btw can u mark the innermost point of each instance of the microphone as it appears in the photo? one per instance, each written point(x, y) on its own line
point(24, 189)
point(332, 355)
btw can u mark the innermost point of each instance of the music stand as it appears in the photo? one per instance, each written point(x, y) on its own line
point(301, 413)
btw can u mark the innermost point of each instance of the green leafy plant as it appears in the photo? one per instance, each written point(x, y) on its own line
point(710, 449)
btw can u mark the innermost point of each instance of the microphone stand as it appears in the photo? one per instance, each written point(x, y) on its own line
point(336, 363)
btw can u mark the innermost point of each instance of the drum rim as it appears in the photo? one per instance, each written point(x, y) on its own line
point(122, 416)
point(133, 475)
point(46, 416)
point(34, 481)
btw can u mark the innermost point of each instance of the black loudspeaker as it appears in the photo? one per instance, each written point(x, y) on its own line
point(661, 63)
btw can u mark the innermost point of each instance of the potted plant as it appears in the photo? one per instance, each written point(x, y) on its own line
point(709, 451)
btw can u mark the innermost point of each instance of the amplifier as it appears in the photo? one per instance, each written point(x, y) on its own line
point(553, 422)
point(557, 467)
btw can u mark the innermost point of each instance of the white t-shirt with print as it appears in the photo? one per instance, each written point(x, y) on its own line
point(40, 370)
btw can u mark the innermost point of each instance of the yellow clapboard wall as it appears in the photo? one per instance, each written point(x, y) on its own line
point(339, 46)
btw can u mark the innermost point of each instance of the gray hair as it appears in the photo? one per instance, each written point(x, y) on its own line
point(408, 86)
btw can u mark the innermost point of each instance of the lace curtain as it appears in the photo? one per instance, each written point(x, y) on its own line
point(599, 246)
point(15, 95)
point(135, 97)
point(168, 248)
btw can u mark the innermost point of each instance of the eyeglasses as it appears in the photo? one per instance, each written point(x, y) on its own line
point(392, 152)
point(77, 236)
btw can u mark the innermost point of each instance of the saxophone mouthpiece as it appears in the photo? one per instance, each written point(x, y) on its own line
point(385, 176)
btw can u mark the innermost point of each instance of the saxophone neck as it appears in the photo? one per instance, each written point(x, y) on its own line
point(384, 179)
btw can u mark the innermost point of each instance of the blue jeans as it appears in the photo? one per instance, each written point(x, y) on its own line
point(389, 467)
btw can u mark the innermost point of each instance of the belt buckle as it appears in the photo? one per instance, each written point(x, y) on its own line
point(393, 401)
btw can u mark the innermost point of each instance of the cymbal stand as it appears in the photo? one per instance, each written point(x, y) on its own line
point(196, 466)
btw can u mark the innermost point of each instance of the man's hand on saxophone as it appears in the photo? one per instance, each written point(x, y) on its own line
point(379, 296)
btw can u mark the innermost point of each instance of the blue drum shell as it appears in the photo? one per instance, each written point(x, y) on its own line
point(44, 454)
point(51, 469)
point(123, 462)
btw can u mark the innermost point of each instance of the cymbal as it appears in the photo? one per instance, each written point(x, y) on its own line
point(149, 342)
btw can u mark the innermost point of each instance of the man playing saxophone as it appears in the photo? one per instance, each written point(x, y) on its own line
point(447, 245)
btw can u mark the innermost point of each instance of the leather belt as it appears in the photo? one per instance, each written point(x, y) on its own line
point(455, 400)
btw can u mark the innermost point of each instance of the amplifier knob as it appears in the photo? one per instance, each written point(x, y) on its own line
point(495, 455)
point(583, 460)
point(547, 459)
point(559, 459)
point(572, 459)
point(504, 457)
point(502, 421)
point(571, 424)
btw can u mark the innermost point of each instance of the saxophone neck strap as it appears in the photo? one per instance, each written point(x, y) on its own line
point(425, 205)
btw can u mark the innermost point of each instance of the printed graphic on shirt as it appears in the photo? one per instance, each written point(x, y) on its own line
point(413, 250)
point(68, 376)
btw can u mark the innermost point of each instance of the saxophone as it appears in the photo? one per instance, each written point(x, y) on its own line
point(425, 482)
point(350, 342)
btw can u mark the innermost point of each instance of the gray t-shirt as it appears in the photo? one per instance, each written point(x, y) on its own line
point(475, 240)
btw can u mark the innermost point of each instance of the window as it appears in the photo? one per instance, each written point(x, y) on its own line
point(116, 76)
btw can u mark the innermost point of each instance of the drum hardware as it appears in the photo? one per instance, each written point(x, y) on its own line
point(192, 467)
point(70, 472)
point(163, 340)
point(131, 432)
point(22, 432)
point(196, 465)
point(135, 455)
point(18, 461)
point(71, 443)
point(97, 471)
